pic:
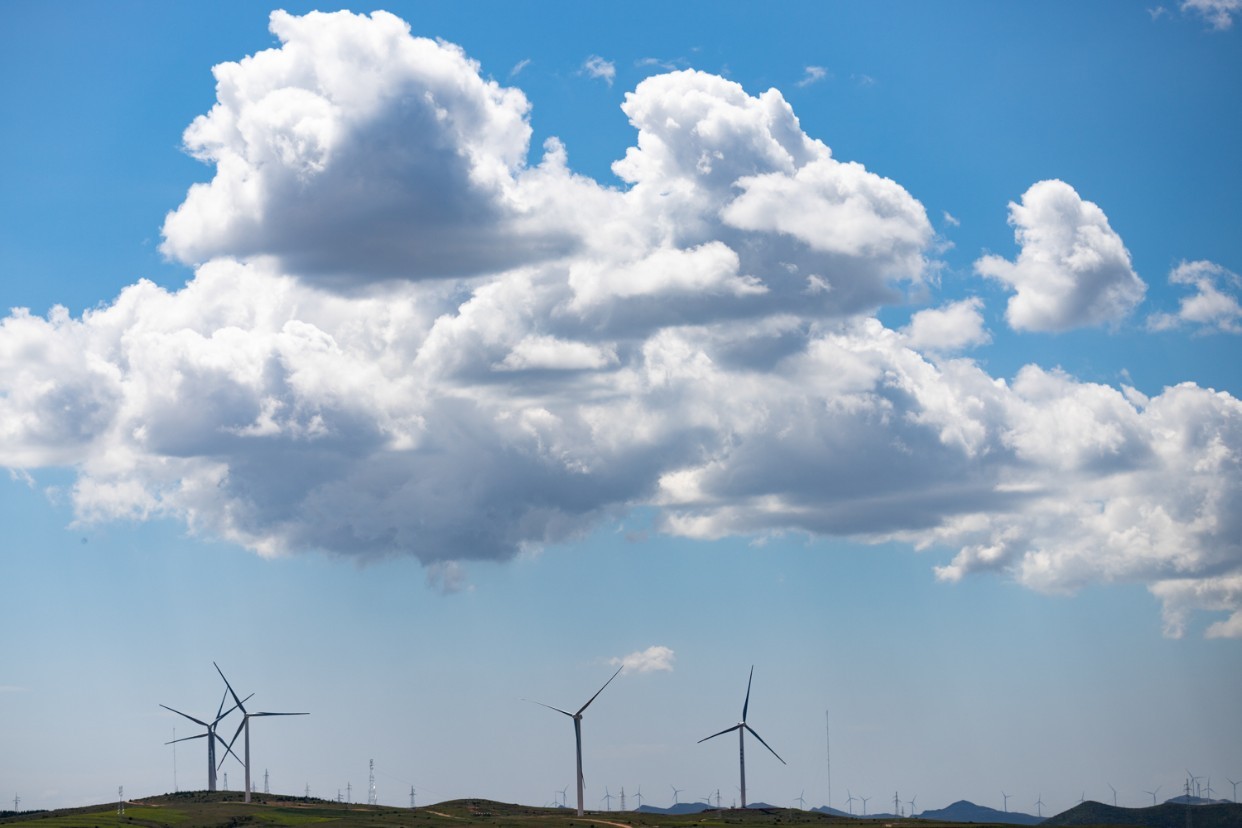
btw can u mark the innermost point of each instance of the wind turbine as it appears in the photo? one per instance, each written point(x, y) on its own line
point(1153, 794)
point(577, 717)
point(1193, 783)
point(1114, 790)
point(1235, 789)
point(911, 804)
point(741, 728)
point(245, 725)
point(562, 793)
point(607, 796)
point(801, 800)
point(676, 791)
point(849, 801)
point(864, 802)
point(639, 796)
point(211, 735)
point(1039, 806)
point(1006, 801)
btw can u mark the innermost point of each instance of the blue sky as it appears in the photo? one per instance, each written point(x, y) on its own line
point(912, 382)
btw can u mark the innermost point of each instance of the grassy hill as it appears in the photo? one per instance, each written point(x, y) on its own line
point(225, 809)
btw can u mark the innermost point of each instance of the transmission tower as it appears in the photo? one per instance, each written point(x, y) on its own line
point(308, 790)
point(265, 790)
point(226, 780)
point(17, 800)
point(349, 792)
point(120, 801)
point(623, 798)
point(411, 797)
point(371, 785)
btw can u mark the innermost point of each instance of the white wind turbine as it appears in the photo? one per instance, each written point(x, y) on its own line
point(245, 725)
point(741, 728)
point(676, 790)
point(1153, 794)
point(211, 736)
point(577, 717)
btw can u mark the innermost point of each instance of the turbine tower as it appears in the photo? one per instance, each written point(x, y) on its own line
point(864, 802)
point(577, 717)
point(676, 790)
point(1039, 806)
point(741, 728)
point(1006, 800)
point(1153, 794)
point(1114, 790)
point(210, 735)
point(245, 725)
point(849, 801)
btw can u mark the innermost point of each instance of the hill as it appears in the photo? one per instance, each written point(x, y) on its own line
point(1167, 815)
point(966, 811)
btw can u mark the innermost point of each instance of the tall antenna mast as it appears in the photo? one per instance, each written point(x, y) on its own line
point(828, 742)
point(371, 789)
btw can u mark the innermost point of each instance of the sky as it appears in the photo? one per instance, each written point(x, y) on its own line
point(417, 365)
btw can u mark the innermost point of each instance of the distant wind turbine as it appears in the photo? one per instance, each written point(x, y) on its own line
point(562, 793)
point(638, 794)
point(245, 725)
point(1153, 794)
point(1114, 790)
point(801, 800)
point(1006, 801)
point(606, 797)
point(910, 802)
point(577, 717)
point(741, 728)
point(210, 734)
point(1235, 788)
point(849, 801)
point(1039, 807)
point(864, 802)
point(676, 791)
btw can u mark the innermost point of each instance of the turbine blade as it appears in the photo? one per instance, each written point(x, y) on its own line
point(765, 744)
point(186, 738)
point(721, 733)
point(234, 707)
point(187, 715)
point(550, 707)
point(237, 733)
point(227, 750)
point(232, 692)
point(252, 715)
point(746, 704)
point(600, 690)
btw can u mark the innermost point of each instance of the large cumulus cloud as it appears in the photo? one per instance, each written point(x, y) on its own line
point(402, 338)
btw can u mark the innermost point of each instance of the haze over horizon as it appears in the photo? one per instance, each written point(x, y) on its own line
point(412, 363)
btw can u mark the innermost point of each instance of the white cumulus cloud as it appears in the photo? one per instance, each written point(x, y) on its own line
point(596, 67)
point(951, 328)
point(1072, 270)
point(1219, 14)
point(1214, 304)
point(401, 339)
point(653, 659)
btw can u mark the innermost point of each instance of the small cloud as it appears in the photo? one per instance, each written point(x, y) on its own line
point(518, 67)
point(1214, 304)
point(814, 74)
point(596, 67)
point(649, 660)
point(448, 577)
point(669, 65)
point(864, 80)
point(1218, 13)
point(954, 327)
point(951, 219)
point(1157, 12)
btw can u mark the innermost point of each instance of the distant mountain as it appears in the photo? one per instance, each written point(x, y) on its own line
point(824, 809)
point(964, 811)
point(1169, 815)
